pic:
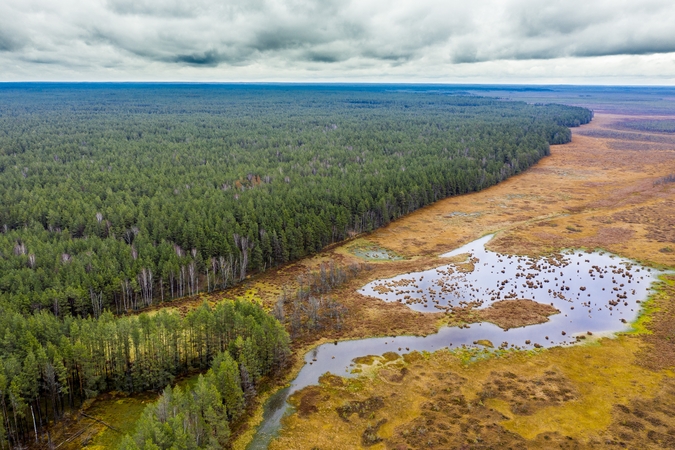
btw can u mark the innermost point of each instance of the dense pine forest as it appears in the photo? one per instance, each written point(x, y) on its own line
point(49, 364)
point(117, 197)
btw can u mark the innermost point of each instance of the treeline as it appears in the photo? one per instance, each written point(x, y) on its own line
point(49, 365)
point(117, 197)
point(200, 417)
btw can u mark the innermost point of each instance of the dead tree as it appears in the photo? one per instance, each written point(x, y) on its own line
point(244, 245)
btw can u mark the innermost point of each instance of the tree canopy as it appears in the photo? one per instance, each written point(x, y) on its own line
point(119, 196)
point(48, 365)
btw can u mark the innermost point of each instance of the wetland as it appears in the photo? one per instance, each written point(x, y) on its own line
point(566, 281)
point(611, 389)
point(393, 381)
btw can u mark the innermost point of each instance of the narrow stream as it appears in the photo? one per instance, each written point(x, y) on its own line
point(595, 292)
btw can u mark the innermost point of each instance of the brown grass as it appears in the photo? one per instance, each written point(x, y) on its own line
point(584, 195)
point(660, 350)
point(516, 313)
point(604, 394)
point(542, 400)
point(590, 193)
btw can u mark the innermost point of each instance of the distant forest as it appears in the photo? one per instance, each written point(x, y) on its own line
point(115, 197)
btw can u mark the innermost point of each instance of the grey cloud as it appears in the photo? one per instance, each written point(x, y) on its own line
point(343, 36)
point(538, 19)
point(44, 61)
point(7, 43)
point(283, 38)
point(208, 58)
point(579, 28)
point(12, 38)
point(180, 9)
point(628, 47)
point(465, 53)
point(393, 55)
point(324, 57)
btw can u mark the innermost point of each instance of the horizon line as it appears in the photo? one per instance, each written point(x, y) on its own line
point(343, 83)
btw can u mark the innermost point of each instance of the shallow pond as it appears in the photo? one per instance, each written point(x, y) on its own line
point(375, 254)
point(594, 291)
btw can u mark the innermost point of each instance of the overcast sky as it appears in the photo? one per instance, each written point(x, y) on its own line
point(530, 41)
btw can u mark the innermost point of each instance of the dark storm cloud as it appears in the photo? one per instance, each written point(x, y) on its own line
point(210, 58)
point(7, 44)
point(324, 57)
point(11, 38)
point(144, 36)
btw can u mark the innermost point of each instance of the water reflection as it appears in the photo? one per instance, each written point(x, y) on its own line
point(595, 291)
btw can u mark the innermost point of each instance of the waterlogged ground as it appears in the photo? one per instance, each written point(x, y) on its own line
point(371, 252)
point(594, 293)
point(579, 397)
point(604, 393)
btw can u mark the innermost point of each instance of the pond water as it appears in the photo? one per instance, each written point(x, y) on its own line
point(375, 254)
point(594, 291)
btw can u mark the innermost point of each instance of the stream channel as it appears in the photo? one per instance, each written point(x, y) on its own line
point(595, 292)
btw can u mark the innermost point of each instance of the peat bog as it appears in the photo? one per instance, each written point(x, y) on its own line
point(395, 381)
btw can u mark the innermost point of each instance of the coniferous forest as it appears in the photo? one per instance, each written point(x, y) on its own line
point(115, 197)
point(119, 197)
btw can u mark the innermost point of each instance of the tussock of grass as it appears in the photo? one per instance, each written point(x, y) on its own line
point(600, 375)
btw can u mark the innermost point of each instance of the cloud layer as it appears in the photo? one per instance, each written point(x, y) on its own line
point(409, 40)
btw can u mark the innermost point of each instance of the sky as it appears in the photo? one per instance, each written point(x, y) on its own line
point(437, 41)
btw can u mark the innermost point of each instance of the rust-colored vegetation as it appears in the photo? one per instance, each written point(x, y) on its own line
point(517, 313)
point(592, 193)
point(600, 191)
